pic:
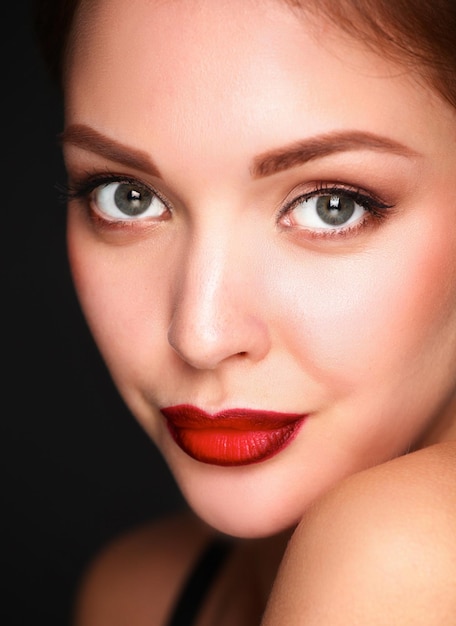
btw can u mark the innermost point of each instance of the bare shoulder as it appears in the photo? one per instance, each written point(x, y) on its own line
point(379, 549)
point(134, 579)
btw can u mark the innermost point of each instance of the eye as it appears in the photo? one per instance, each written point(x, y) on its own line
point(327, 211)
point(126, 200)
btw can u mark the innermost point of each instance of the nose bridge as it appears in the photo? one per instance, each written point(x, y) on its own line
point(213, 315)
point(205, 280)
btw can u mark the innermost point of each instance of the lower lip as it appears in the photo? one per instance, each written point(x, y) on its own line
point(232, 437)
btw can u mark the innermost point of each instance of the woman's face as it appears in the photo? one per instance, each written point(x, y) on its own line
point(271, 228)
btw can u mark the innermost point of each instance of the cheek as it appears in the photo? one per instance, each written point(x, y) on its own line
point(123, 298)
point(376, 315)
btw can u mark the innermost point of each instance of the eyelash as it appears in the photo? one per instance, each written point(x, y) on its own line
point(376, 209)
point(83, 187)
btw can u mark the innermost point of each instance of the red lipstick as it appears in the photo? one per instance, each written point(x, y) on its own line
point(231, 437)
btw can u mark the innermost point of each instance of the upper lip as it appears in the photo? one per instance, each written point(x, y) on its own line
point(189, 416)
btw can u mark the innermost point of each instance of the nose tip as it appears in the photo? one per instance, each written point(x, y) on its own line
point(204, 339)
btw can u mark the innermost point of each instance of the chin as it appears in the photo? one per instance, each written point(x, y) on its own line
point(248, 527)
point(250, 523)
point(245, 502)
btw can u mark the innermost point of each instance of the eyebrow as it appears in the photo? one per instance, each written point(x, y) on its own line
point(90, 139)
point(320, 146)
point(265, 164)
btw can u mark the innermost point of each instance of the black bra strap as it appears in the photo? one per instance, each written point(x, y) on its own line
point(199, 582)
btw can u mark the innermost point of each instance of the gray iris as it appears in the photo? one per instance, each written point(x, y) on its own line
point(132, 199)
point(335, 210)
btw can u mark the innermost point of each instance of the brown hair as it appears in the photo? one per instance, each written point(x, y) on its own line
point(419, 33)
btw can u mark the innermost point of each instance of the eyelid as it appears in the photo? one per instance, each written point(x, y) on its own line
point(83, 186)
point(367, 199)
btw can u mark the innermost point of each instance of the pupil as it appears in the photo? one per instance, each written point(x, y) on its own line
point(131, 200)
point(335, 210)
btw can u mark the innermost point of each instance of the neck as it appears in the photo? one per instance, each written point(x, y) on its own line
point(265, 556)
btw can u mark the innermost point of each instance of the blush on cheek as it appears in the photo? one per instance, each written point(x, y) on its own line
point(373, 315)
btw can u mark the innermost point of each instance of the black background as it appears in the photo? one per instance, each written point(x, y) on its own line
point(76, 468)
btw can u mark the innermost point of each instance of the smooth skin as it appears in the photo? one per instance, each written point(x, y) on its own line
point(230, 292)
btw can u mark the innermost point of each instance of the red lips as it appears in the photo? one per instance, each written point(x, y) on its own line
point(231, 437)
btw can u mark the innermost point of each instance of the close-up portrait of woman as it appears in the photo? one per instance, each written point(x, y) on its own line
point(260, 231)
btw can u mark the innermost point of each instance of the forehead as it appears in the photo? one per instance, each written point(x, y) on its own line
point(181, 38)
point(210, 71)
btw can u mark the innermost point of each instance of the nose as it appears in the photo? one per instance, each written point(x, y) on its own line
point(217, 314)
